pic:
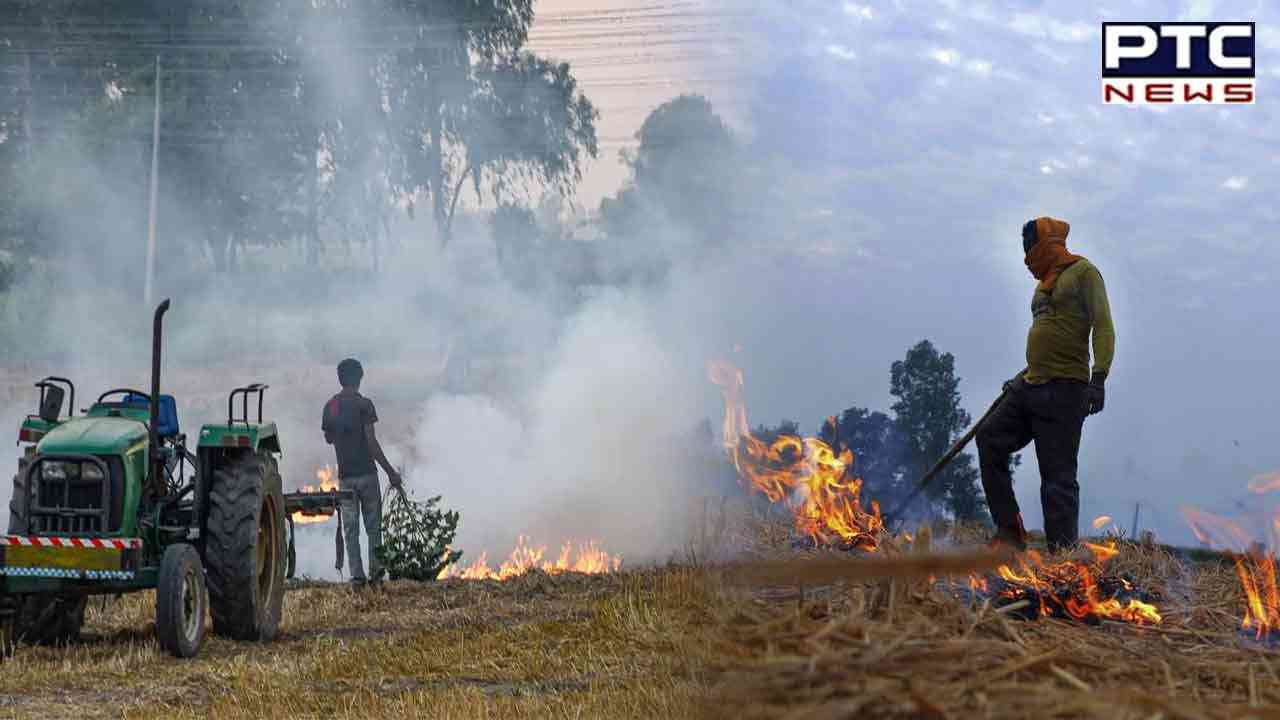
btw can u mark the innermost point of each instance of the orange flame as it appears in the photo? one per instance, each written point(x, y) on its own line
point(1212, 529)
point(328, 483)
point(1257, 571)
point(1255, 565)
point(1084, 601)
point(585, 558)
point(813, 480)
point(805, 473)
point(1265, 483)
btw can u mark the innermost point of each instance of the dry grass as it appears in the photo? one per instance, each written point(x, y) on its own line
point(674, 642)
point(539, 646)
point(909, 650)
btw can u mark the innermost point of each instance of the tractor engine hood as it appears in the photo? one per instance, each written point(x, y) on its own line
point(93, 436)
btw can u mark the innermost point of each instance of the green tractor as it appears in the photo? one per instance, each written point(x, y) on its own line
point(113, 500)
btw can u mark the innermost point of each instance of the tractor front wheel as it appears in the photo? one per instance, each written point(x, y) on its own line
point(180, 601)
point(245, 548)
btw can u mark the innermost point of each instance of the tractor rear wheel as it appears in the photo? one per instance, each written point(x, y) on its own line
point(50, 619)
point(245, 548)
point(180, 601)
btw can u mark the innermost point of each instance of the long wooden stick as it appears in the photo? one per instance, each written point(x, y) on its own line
point(835, 569)
point(942, 462)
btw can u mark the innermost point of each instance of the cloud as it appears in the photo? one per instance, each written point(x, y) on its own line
point(860, 12)
point(841, 52)
point(1236, 182)
point(978, 67)
point(945, 56)
point(1199, 10)
point(1043, 26)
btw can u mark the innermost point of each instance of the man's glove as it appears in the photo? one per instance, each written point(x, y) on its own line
point(1014, 383)
point(1097, 393)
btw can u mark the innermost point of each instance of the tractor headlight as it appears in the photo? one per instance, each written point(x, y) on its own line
point(61, 470)
point(54, 470)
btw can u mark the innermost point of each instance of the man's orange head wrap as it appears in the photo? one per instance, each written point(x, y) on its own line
point(1049, 256)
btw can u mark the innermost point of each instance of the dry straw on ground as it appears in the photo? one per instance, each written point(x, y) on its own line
point(539, 646)
point(905, 649)
point(677, 642)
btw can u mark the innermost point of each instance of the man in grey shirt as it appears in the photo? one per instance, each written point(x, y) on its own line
point(348, 426)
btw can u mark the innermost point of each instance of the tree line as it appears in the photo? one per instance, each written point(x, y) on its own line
point(892, 452)
point(278, 117)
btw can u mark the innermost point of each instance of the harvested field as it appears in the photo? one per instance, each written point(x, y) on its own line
point(533, 647)
point(904, 648)
point(676, 642)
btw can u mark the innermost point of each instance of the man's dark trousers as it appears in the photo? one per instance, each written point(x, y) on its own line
point(1052, 414)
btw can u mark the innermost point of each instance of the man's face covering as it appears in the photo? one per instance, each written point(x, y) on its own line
point(1029, 237)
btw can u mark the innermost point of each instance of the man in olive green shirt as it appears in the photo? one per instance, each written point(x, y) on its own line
point(1048, 401)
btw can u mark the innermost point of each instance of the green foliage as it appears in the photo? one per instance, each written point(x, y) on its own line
point(416, 538)
point(878, 452)
point(687, 180)
point(530, 123)
point(768, 435)
point(519, 244)
point(929, 419)
point(278, 117)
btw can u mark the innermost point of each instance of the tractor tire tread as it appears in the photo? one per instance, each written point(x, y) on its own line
point(170, 632)
point(230, 557)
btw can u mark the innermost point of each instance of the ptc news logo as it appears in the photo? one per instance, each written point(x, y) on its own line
point(1178, 63)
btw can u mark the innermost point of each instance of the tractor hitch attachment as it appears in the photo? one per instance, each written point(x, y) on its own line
point(324, 503)
point(315, 504)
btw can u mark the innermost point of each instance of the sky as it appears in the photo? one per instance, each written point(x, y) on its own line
point(921, 136)
point(630, 56)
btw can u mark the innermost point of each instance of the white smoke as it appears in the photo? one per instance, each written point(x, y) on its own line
point(594, 450)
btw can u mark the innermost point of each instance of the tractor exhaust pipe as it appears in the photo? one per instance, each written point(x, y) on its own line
point(153, 436)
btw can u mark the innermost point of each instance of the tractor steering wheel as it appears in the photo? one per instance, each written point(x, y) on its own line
point(124, 391)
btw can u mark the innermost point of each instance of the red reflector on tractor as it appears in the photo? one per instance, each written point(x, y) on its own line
point(243, 441)
point(235, 440)
point(29, 436)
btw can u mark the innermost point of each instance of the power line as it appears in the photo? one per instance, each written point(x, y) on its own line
point(291, 33)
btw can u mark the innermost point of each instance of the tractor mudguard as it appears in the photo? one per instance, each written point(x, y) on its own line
point(243, 436)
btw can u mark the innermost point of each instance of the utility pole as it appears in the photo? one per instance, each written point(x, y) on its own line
point(155, 186)
point(28, 139)
point(1133, 530)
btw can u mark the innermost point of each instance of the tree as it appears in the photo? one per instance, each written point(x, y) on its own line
point(473, 105)
point(768, 435)
point(279, 116)
point(531, 126)
point(928, 417)
point(878, 452)
point(519, 244)
point(685, 186)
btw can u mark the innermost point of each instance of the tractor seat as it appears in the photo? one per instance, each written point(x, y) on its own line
point(167, 423)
